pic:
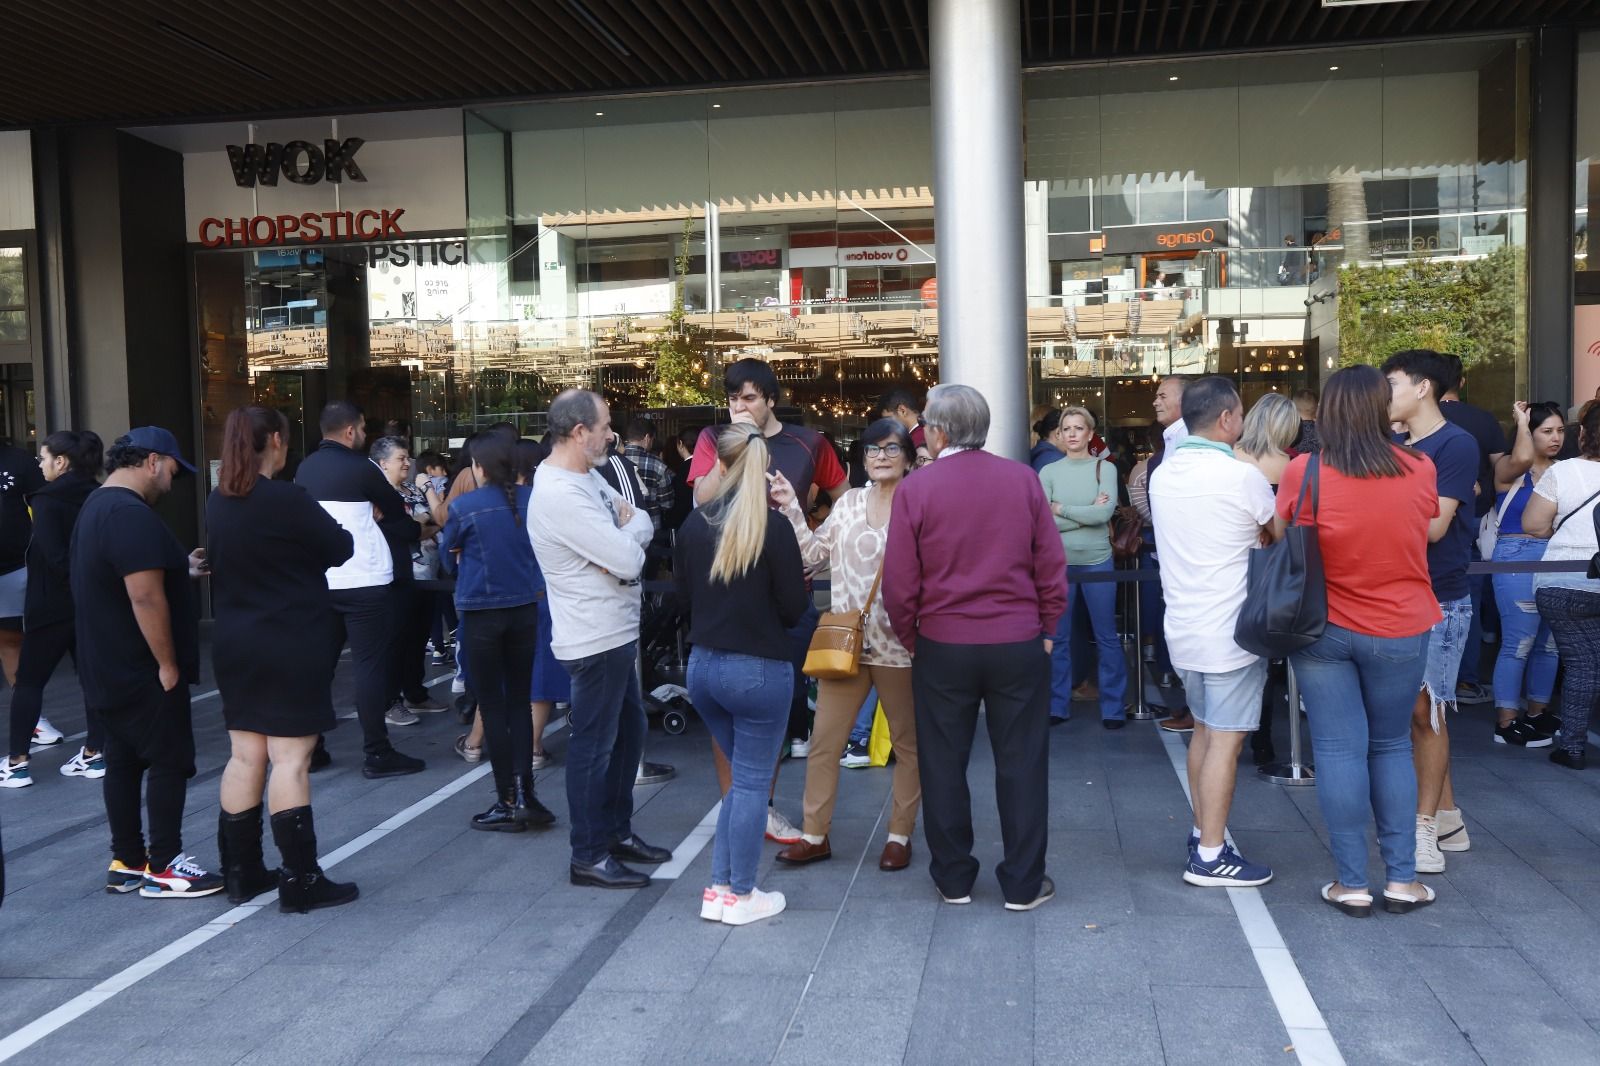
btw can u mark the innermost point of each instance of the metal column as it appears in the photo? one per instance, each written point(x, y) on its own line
point(1552, 149)
point(975, 58)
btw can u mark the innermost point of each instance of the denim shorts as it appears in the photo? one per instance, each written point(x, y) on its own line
point(1444, 655)
point(1228, 702)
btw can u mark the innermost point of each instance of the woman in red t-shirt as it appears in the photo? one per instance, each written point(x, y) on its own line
point(1371, 502)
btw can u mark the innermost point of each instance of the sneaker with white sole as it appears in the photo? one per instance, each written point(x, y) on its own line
point(80, 765)
point(800, 749)
point(1452, 831)
point(458, 685)
point(397, 715)
point(182, 879)
point(1227, 870)
point(14, 775)
point(754, 907)
point(1430, 860)
point(855, 757)
point(122, 879)
point(779, 829)
point(47, 734)
point(711, 904)
point(1047, 892)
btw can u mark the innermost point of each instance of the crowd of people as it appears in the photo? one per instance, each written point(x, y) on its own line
point(548, 544)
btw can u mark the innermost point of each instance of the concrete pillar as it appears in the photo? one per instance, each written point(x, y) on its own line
point(975, 56)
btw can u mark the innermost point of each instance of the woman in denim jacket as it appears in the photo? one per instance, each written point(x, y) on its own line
point(498, 589)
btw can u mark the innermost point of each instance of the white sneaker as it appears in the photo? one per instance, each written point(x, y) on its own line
point(14, 776)
point(711, 904)
point(779, 829)
point(398, 715)
point(80, 765)
point(45, 733)
point(1430, 860)
point(800, 749)
point(458, 685)
point(753, 908)
point(1452, 831)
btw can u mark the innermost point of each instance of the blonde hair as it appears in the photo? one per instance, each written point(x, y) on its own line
point(1078, 412)
point(1271, 426)
point(740, 512)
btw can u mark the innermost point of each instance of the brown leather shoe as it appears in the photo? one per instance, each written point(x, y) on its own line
point(896, 856)
point(803, 851)
point(1178, 723)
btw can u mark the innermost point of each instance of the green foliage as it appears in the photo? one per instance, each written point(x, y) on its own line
point(677, 381)
point(1474, 309)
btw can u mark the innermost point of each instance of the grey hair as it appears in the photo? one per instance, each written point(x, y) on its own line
point(383, 449)
point(571, 409)
point(1270, 427)
point(961, 412)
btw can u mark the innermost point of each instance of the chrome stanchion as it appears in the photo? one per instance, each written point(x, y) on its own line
point(650, 773)
point(1297, 771)
point(1140, 712)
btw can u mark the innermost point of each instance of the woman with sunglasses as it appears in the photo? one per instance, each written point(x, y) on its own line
point(1526, 662)
point(851, 543)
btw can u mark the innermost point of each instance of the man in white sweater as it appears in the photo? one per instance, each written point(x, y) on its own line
point(590, 544)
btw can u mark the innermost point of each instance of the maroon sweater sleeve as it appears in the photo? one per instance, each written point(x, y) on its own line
point(1049, 562)
point(902, 569)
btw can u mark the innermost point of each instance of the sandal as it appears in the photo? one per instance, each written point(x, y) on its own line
point(1354, 904)
point(1404, 902)
point(468, 754)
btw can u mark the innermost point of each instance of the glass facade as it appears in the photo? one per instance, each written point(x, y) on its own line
point(1269, 217)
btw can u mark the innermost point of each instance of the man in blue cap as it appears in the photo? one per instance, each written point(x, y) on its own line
point(138, 653)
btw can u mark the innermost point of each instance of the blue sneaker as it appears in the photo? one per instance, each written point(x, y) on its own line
point(1231, 870)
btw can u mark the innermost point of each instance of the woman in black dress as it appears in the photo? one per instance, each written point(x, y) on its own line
point(269, 545)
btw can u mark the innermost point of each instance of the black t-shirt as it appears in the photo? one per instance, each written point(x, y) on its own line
point(1491, 440)
point(119, 534)
point(19, 475)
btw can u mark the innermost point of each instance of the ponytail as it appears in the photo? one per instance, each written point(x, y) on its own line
point(496, 457)
point(244, 438)
point(741, 517)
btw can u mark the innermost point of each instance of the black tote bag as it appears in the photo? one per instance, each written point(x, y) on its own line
point(1286, 599)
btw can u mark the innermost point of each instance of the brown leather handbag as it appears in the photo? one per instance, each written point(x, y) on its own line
point(1126, 529)
point(835, 652)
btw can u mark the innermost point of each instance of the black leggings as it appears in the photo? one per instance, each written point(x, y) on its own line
point(43, 648)
point(499, 645)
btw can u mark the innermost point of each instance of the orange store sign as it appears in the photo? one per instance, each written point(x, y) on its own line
point(311, 227)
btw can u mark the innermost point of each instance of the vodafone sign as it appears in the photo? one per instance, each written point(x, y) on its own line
point(885, 255)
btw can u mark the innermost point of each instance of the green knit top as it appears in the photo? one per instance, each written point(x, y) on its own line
point(1071, 486)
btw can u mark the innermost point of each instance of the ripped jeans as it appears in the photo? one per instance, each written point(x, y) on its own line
point(1527, 659)
point(1444, 656)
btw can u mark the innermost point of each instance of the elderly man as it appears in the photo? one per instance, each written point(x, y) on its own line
point(974, 583)
point(590, 544)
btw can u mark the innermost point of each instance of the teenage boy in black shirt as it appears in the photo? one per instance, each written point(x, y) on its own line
point(138, 653)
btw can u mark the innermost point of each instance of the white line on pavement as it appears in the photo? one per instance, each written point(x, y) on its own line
point(690, 847)
point(1308, 1030)
point(83, 1003)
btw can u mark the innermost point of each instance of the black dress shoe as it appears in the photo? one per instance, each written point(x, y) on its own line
point(608, 874)
point(1113, 723)
point(391, 764)
point(635, 850)
point(500, 818)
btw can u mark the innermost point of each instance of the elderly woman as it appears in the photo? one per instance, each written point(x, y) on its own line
point(410, 547)
point(851, 543)
point(1082, 492)
point(976, 602)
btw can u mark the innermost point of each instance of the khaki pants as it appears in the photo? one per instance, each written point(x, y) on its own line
point(838, 703)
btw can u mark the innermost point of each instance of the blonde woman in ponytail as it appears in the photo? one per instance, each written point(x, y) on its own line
point(737, 566)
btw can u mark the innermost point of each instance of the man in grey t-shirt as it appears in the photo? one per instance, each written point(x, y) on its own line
point(590, 544)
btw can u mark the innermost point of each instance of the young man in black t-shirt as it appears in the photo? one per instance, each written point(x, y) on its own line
point(138, 653)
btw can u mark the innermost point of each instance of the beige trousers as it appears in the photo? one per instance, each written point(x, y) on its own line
point(838, 703)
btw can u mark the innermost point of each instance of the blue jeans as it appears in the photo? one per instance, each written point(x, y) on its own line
point(799, 727)
point(1527, 657)
point(1101, 598)
point(744, 701)
point(1359, 691)
point(606, 727)
point(861, 732)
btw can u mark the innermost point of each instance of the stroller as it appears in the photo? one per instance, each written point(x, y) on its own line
point(663, 658)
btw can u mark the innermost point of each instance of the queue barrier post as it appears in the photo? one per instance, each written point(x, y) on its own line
point(1297, 771)
point(649, 773)
point(1140, 711)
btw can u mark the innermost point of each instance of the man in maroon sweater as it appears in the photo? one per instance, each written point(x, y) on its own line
point(974, 583)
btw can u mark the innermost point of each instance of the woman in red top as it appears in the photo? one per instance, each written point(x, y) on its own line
point(1371, 502)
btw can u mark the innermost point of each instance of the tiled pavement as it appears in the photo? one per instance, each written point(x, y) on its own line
point(471, 947)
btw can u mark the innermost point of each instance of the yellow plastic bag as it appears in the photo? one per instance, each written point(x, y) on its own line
point(878, 747)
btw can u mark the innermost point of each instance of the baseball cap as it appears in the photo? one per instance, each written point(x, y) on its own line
point(161, 441)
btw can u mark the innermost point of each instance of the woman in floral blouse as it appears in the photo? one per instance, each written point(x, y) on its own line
point(851, 544)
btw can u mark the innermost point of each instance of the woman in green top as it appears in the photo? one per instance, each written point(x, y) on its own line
point(1082, 491)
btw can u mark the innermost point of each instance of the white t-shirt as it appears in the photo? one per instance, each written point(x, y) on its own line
point(1208, 509)
point(1569, 485)
point(1174, 435)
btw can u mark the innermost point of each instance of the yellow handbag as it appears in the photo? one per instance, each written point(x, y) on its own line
point(835, 651)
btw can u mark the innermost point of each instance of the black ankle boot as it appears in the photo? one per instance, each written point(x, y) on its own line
point(525, 806)
point(501, 817)
point(244, 873)
point(302, 886)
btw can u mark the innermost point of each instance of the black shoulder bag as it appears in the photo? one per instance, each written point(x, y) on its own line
point(1286, 598)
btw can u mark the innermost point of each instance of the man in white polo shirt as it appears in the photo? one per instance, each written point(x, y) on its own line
point(1210, 510)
